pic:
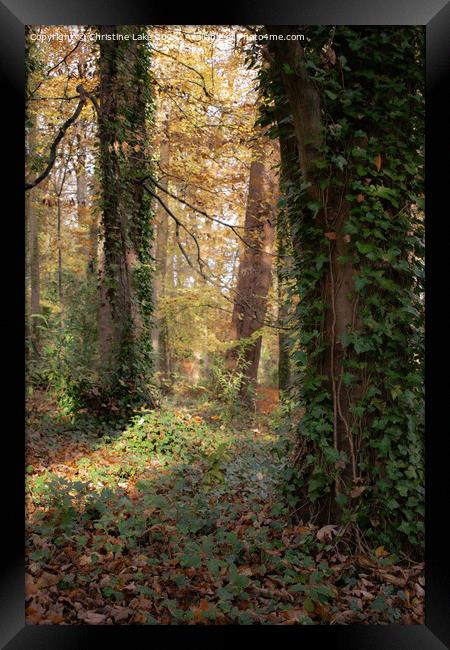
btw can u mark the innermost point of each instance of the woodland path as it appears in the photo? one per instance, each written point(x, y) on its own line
point(179, 519)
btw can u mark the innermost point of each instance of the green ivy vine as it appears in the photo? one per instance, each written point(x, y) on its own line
point(371, 86)
point(125, 165)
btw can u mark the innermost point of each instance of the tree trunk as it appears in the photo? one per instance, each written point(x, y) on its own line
point(284, 364)
point(162, 237)
point(104, 319)
point(353, 229)
point(288, 158)
point(81, 175)
point(59, 244)
point(336, 288)
point(85, 216)
point(33, 255)
point(124, 342)
point(254, 277)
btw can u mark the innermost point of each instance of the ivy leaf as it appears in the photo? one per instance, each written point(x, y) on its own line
point(347, 378)
point(361, 344)
point(287, 69)
point(360, 282)
point(320, 261)
point(314, 206)
point(191, 560)
point(309, 605)
point(341, 500)
point(340, 162)
point(387, 193)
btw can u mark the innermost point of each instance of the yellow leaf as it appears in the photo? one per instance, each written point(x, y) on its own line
point(380, 551)
point(378, 162)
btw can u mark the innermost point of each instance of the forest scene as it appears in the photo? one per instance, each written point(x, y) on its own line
point(224, 292)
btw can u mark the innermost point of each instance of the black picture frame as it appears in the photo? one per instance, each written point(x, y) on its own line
point(435, 15)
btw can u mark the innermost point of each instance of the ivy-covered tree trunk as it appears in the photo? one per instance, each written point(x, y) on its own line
point(355, 99)
point(284, 364)
point(254, 277)
point(126, 220)
point(288, 180)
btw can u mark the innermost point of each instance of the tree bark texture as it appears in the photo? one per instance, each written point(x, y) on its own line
point(122, 135)
point(254, 274)
point(336, 288)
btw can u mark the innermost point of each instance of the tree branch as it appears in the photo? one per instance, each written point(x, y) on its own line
point(64, 59)
point(84, 95)
point(234, 229)
point(54, 147)
point(189, 67)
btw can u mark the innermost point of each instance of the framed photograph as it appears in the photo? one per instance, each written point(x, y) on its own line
point(227, 412)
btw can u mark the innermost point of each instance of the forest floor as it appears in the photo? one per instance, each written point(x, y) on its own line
point(179, 519)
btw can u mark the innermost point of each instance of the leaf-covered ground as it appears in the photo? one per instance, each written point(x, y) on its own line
point(179, 519)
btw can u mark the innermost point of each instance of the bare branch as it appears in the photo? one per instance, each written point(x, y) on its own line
point(189, 67)
point(208, 216)
point(64, 59)
point(244, 304)
point(53, 148)
point(84, 95)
